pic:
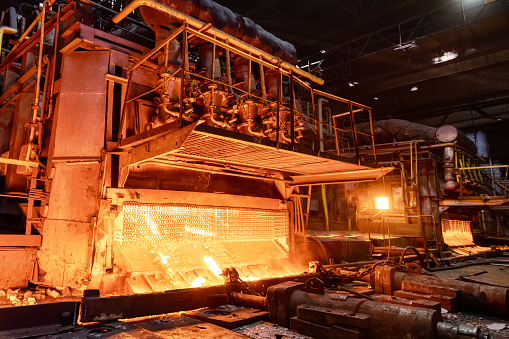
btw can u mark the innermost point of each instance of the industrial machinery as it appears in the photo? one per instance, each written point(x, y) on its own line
point(155, 176)
point(140, 167)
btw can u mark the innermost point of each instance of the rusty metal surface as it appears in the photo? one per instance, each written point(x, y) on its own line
point(75, 192)
point(78, 129)
point(205, 143)
point(320, 331)
point(472, 296)
point(171, 326)
point(37, 320)
point(446, 302)
point(268, 330)
point(139, 305)
point(229, 316)
point(16, 267)
point(66, 252)
point(496, 274)
point(162, 146)
point(386, 320)
point(20, 240)
point(332, 317)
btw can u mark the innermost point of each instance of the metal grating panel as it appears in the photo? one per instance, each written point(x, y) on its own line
point(458, 235)
point(205, 145)
point(457, 232)
point(169, 246)
point(152, 224)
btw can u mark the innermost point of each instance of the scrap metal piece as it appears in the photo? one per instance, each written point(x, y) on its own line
point(278, 297)
point(387, 320)
point(446, 302)
point(451, 331)
point(473, 296)
point(118, 307)
point(229, 316)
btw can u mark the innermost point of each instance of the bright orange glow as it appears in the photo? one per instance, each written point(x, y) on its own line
point(199, 232)
point(164, 258)
point(212, 266)
point(251, 278)
point(198, 281)
point(181, 243)
point(382, 203)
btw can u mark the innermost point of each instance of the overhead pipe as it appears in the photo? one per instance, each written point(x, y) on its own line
point(13, 25)
point(197, 24)
point(236, 25)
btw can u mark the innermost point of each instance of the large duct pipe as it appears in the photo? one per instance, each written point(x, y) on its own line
point(235, 25)
point(391, 130)
point(448, 134)
point(235, 42)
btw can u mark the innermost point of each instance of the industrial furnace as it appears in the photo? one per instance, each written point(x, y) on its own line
point(176, 171)
point(144, 169)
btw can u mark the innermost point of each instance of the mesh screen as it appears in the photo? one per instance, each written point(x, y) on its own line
point(153, 224)
point(457, 232)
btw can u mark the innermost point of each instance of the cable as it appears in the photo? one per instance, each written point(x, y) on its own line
point(322, 247)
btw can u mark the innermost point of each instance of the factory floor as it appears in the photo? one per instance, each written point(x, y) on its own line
point(494, 274)
point(182, 326)
point(230, 321)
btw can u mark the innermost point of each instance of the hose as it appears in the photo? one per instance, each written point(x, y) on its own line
point(322, 246)
point(416, 251)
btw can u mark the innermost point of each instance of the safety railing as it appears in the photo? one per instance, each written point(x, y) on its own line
point(285, 120)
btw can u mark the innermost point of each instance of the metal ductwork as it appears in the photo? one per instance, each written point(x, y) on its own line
point(231, 23)
point(395, 130)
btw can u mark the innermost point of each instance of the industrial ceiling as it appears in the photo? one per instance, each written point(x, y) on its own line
point(392, 55)
point(434, 62)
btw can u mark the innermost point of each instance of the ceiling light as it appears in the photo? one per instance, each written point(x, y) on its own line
point(406, 45)
point(445, 57)
point(376, 98)
point(413, 89)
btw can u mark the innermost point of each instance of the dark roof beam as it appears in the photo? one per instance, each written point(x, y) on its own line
point(416, 27)
point(373, 5)
point(361, 52)
point(446, 69)
point(384, 13)
point(363, 21)
point(483, 113)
